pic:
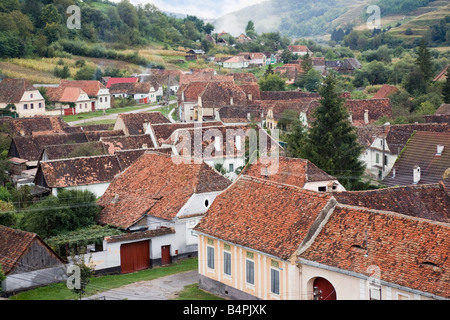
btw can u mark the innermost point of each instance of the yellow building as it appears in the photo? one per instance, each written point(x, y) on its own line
point(262, 239)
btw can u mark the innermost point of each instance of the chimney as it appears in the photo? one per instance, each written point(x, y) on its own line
point(366, 116)
point(416, 174)
point(231, 101)
point(440, 149)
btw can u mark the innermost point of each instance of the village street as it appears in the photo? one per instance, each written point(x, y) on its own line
point(164, 288)
point(115, 115)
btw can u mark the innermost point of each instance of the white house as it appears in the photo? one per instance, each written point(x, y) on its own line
point(82, 173)
point(300, 50)
point(97, 92)
point(26, 98)
point(236, 62)
point(142, 92)
point(159, 202)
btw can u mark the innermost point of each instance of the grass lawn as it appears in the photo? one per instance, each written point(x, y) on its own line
point(89, 115)
point(60, 291)
point(192, 292)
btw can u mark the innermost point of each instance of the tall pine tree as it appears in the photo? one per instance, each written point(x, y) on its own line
point(424, 61)
point(332, 143)
point(446, 87)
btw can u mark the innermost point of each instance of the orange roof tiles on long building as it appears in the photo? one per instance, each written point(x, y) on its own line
point(154, 185)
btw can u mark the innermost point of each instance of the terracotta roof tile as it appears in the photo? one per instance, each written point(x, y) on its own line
point(424, 201)
point(12, 90)
point(134, 122)
point(14, 244)
point(410, 252)
point(113, 144)
point(385, 91)
point(268, 217)
point(156, 186)
point(30, 147)
point(78, 171)
point(91, 87)
point(33, 125)
point(291, 171)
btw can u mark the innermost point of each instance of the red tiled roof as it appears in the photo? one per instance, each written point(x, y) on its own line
point(79, 171)
point(385, 91)
point(423, 201)
point(13, 245)
point(134, 122)
point(376, 108)
point(121, 80)
point(291, 171)
point(32, 125)
point(156, 186)
point(409, 252)
point(64, 94)
point(113, 144)
point(268, 217)
point(91, 87)
point(12, 90)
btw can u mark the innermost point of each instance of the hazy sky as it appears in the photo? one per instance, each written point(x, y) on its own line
point(210, 9)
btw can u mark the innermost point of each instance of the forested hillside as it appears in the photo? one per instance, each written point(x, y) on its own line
point(39, 28)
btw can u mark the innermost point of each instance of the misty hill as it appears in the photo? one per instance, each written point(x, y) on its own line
point(317, 18)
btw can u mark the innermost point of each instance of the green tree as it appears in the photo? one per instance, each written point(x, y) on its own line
point(70, 210)
point(273, 82)
point(332, 143)
point(7, 214)
point(424, 61)
point(250, 29)
point(313, 80)
point(85, 73)
point(446, 88)
point(62, 72)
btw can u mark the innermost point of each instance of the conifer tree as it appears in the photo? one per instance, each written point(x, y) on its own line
point(446, 88)
point(332, 143)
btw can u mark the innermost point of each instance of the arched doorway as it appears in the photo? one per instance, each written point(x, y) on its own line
point(323, 289)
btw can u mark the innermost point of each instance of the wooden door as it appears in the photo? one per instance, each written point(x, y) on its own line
point(165, 255)
point(325, 289)
point(134, 256)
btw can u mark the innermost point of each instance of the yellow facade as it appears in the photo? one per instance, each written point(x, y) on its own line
point(265, 267)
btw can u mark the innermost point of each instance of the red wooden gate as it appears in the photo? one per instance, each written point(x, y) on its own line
point(325, 290)
point(134, 256)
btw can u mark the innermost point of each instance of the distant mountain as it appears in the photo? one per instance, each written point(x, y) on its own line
point(292, 18)
point(317, 18)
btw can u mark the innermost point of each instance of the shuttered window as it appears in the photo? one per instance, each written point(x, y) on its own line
point(210, 257)
point(227, 263)
point(274, 281)
point(250, 271)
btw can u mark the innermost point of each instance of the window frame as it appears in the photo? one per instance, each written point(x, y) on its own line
point(210, 261)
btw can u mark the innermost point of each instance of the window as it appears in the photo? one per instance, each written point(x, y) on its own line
point(375, 293)
point(206, 203)
point(40, 105)
point(31, 106)
point(106, 99)
point(210, 257)
point(230, 167)
point(250, 271)
point(31, 95)
point(227, 263)
point(322, 189)
point(101, 99)
point(274, 281)
point(25, 106)
point(377, 158)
